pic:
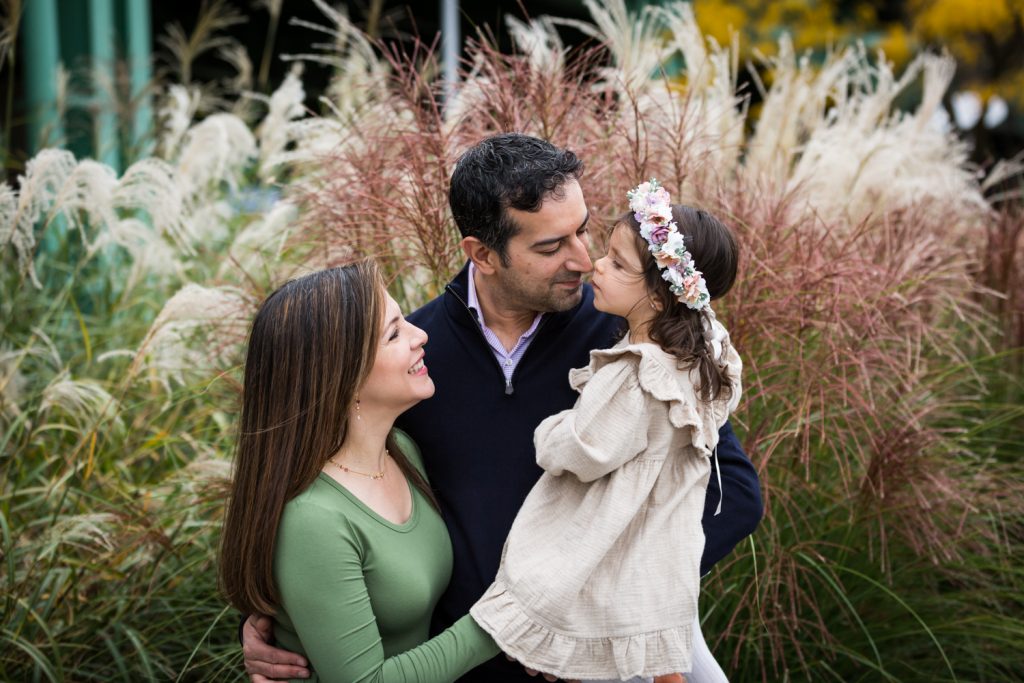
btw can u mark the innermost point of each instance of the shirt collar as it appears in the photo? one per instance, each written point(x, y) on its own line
point(473, 301)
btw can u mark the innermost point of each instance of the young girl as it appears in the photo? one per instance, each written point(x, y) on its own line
point(600, 574)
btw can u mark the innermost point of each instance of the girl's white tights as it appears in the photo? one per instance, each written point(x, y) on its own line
point(705, 668)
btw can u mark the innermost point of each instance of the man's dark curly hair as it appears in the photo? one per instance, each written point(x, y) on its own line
point(507, 170)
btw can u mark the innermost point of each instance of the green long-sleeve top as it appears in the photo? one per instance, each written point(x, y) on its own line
point(357, 590)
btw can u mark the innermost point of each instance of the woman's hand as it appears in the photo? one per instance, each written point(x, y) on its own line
point(264, 662)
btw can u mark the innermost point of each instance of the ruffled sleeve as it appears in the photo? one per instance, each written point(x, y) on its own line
point(601, 432)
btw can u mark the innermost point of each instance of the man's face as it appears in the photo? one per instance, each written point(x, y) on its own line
point(548, 256)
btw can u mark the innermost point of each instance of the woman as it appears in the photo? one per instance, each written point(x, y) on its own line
point(331, 526)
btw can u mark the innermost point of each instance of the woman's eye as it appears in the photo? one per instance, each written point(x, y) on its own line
point(394, 336)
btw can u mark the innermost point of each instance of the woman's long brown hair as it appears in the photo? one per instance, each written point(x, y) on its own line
point(312, 344)
point(676, 328)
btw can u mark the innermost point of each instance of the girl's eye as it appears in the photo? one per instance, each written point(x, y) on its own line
point(394, 335)
point(616, 265)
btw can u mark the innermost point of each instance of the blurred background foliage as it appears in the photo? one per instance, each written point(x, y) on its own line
point(879, 310)
point(985, 37)
point(239, 45)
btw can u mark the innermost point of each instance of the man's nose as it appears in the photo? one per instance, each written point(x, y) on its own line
point(579, 258)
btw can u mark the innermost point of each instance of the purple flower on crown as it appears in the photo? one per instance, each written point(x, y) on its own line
point(659, 234)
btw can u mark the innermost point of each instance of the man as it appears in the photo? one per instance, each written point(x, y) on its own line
point(503, 337)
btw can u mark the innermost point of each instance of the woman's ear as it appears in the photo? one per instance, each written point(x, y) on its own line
point(483, 257)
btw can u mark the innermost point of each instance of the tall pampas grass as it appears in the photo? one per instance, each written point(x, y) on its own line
point(878, 311)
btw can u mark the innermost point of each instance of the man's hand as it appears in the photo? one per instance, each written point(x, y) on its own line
point(264, 662)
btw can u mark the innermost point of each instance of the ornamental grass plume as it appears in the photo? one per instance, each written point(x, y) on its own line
point(198, 331)
point(85, 402)
point(214, 150)
point(285, 105)
point(44, 175)
point(150, 186)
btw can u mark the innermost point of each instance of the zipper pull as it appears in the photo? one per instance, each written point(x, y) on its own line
point(508, 386)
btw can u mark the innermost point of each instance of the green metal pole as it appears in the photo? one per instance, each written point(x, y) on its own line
point(41, 58)
point(101, 46)
point(139, 42)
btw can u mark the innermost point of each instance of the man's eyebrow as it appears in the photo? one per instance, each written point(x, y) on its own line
point(555, 240)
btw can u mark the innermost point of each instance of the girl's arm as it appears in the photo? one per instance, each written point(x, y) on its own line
point(322, 589)
point(601, 432)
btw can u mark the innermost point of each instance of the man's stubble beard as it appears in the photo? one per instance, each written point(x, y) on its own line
point(546, 300)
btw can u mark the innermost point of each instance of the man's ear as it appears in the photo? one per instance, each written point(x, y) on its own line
point(483, 257)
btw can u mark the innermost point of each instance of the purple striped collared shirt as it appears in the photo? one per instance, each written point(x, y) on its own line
point(508, 359)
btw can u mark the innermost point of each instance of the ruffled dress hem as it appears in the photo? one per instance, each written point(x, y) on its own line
point(540, 647)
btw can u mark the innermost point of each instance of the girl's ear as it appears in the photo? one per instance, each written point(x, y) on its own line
point(655, 303)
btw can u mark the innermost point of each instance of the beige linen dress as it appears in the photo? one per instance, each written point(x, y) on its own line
point(600, 574)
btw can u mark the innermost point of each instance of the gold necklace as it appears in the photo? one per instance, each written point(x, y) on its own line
point(379, 474)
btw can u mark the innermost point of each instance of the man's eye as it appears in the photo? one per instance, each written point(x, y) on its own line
point(552, 251)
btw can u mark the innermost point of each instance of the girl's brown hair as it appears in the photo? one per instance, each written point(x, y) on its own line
point(312, 344)
point(677, 329)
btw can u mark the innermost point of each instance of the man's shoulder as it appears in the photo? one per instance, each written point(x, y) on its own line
point(427, 311)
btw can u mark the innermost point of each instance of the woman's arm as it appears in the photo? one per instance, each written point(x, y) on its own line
point(600, 433)
point(320, 578)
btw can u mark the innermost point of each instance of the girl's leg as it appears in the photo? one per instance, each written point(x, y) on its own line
point(705, 668)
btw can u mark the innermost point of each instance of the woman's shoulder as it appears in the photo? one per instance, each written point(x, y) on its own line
point(409, 449)
point(316, 501)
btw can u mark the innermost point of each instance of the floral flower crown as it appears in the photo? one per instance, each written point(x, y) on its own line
point(652, 209)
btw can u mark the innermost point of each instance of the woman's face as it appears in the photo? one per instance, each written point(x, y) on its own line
point(398, 379)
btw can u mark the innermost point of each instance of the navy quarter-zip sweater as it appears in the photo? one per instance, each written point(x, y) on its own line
point(476, 436)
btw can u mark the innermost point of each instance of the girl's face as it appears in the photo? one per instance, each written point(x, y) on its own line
point(398, 379)
point(619, 286)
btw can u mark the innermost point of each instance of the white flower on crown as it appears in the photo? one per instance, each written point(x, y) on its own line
point(673, 277)
point(675, 244)
point(638, 197)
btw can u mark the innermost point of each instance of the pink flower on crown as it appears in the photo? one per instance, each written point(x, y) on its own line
point(691, 286)
point(659, 196)
point(658, 214)
point(664, 258)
